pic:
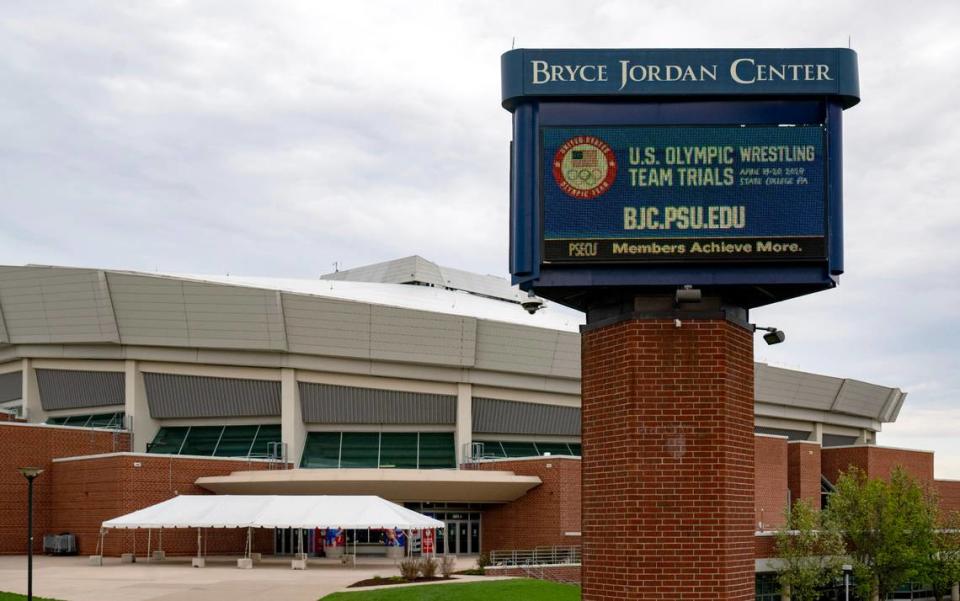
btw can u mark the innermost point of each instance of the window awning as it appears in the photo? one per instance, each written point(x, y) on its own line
point(275, 511)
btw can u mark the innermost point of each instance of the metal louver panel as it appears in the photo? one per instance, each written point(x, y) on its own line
point(513, 417)
point(10, 386)
point(69, 389)
point(171, 396)
point(330, 404)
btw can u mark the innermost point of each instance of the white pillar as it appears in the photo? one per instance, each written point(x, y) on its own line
point(292, 430)
point(30, 392)
point(464, 432)
point(143, 427)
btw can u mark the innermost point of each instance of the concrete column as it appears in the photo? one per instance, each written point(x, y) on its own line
point(30, 391)
point(668, 456)
point(817, 434)
point(464, 433)
point(293, 432)
point(139, 420)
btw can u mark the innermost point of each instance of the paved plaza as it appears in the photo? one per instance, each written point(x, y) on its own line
point(73, 579)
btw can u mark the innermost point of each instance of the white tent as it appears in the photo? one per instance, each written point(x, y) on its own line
point(275, 511)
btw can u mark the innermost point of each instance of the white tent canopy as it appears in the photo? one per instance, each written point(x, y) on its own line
point(275, 511)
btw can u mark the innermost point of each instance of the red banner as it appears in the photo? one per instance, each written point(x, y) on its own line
point(427, 541)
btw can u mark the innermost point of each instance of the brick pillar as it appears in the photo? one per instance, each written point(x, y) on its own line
point(668, 461)
point(803, 471)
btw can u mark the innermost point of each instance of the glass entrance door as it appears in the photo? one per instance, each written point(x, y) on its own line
point(451, 536)
point(285, 541)
point(463, 539)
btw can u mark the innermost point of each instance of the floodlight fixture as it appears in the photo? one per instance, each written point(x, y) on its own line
point(773, 335)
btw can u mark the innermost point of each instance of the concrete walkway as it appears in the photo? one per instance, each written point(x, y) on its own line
point(73, 579)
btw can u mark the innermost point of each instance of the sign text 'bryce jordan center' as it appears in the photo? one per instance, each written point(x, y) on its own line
point(691, 193)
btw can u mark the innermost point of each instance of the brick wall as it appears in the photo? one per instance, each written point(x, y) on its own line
point(949, 493)
point(24, 445)
point(88, 491)
point(877, 462)
point(770, 483)
point(542, 516)
point(764, 546)
point(10, 417)
point(668, 461)
point(803, 472)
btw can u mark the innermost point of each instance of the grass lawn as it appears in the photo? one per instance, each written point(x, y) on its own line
point(497, 590)
point(15, 597)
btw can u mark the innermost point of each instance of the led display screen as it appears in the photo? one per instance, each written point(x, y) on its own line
point(690, 193)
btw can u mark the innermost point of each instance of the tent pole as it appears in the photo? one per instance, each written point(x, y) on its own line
point(160, 544)
point(249, 541)
point(198, 543)
point(149, 533)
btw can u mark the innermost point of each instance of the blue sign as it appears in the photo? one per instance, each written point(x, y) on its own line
point(636, 171)
point(683, 72)
point(641, 193)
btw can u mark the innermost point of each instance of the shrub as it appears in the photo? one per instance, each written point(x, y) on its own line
point(483, 560)
point(428, 567)
point(447, 566)
point(410, 568)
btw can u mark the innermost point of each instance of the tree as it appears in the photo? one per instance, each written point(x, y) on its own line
point(942, 567)
point(888, 526)
point(811, 554)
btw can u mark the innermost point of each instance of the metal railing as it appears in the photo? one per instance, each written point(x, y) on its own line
point(541, 556)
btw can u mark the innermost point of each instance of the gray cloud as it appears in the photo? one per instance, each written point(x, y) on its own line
point(276, 138)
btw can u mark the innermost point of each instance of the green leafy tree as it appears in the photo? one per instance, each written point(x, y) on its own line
point(889, 529)
point(942, 567)
point(810, 552)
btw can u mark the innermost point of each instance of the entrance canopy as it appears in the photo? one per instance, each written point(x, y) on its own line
point(275, 511)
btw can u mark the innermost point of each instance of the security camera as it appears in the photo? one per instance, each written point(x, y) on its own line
point(531, 304)
point(773, 335)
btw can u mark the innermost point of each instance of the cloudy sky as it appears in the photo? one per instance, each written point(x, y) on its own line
point(276, 138)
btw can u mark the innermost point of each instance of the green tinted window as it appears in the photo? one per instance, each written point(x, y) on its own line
point(77, 420)
point(398, 449)
point(437, 450)
point(97, 420)
point(360, 449)
point(106, 420)
point(576, 448)
point(168, 440)
point(322, 449)
point(236, 441)
point(519, 449)
point(201, 440)
point(491, 449)
point(266, 435)
point(554, 448)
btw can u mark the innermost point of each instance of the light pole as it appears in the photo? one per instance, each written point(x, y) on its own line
point(847, 570)
point(30, 473)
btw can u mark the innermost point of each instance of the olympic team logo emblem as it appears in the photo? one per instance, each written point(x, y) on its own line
point(584, 167)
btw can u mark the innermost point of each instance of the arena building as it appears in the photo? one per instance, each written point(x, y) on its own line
point(422, 384)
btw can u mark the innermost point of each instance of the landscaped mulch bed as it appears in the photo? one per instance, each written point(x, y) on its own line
point(395, 580)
